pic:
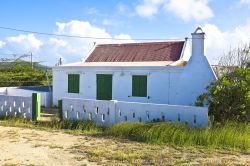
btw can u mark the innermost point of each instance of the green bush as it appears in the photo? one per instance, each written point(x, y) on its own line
point(229, 97)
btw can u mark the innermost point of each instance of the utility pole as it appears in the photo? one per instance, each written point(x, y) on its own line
point(31, 60)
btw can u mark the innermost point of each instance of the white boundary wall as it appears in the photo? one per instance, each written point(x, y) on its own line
point(110, 112)
point(17, 106)
point(46, 97)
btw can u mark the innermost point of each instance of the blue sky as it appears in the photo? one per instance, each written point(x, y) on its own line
point(226, 23)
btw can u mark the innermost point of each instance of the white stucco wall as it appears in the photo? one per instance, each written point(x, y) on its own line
point(160, 82)
point(46, 97)
point(17, 106)
point(117, 111)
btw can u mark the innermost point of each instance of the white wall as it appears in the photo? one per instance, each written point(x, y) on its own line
point(17, 106)
point(161, 83)
point(166, 84)
point(116, 111)
point(46, 97)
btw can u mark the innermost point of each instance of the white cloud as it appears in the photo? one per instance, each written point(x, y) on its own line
point(111, 22)
point(51, 49)
point(190, 9)
point(25, 42)
point(121, 8)
point(219, 42)
point(123, 36)
point(75, 49)
point(148, 8)
point(185, 9)
point(245, 2)
point(2, 43)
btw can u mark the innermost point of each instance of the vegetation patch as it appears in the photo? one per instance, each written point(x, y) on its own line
point(235, 136)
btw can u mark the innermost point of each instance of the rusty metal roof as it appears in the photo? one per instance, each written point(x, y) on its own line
point(137, 52)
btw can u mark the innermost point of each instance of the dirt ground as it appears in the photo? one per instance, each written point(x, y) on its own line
point(22, 146)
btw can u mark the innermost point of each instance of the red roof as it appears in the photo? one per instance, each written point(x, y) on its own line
point(137, 52)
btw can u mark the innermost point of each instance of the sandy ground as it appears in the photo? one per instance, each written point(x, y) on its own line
point(22, 146)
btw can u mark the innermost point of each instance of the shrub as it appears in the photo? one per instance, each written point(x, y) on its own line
point(229, 97)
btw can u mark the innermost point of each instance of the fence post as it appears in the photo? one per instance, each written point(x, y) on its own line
point(60, 109)
point(36, 106)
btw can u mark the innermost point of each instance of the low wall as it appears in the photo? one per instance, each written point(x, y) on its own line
point(109, 112)
point(46, 97)
point(16, 106)
point(102, 112)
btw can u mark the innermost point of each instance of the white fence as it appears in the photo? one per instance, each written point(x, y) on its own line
point(109, 112)
point(16, 106)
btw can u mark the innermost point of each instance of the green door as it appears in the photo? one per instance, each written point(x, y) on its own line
point(104, 87)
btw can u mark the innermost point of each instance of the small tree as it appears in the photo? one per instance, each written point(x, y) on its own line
point(229, 97)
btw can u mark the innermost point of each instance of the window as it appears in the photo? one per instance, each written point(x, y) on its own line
point(73, 83)
point(139, 86)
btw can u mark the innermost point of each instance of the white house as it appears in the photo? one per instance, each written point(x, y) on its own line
point(153, 72)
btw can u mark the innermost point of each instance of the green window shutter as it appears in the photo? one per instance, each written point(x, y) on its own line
point(73, 83)
point(139, 86)
point(104, 87)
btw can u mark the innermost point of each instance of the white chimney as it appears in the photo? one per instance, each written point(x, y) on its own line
point(198, 48)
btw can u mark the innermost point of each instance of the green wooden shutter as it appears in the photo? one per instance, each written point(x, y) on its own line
point(104, 87)
point(73, 83)
point(77, 83)
point(70, 81)
point(139, 86)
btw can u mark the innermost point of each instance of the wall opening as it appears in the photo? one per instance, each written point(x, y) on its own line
point(103, 117)
point(83, 108)
point(125, 118)
point(179, 117)
point(108, 112)
point(194, 119)
point(96, 110)
point(77, 115)
point(90, 116)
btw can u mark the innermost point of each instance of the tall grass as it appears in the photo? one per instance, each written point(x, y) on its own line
point(232, 135)
point(86, 127)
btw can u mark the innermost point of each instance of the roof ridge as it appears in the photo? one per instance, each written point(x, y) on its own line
point(141, 43)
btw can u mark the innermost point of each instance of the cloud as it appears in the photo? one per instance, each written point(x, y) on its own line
point(111, 22)
point(148, 8)
point(185, 9)
point(51, 49)
point(219, 42)
point(123, 36)
point(121, 8)
point(92, 11)
point(2, 43)
point(25, 42)
point(245, 2)
point(190, 9)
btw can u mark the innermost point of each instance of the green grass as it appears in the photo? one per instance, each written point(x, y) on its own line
point(229, 136)
point(232, 135)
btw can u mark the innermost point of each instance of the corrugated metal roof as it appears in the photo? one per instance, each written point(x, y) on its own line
point(120, 64)
point(137, 52)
